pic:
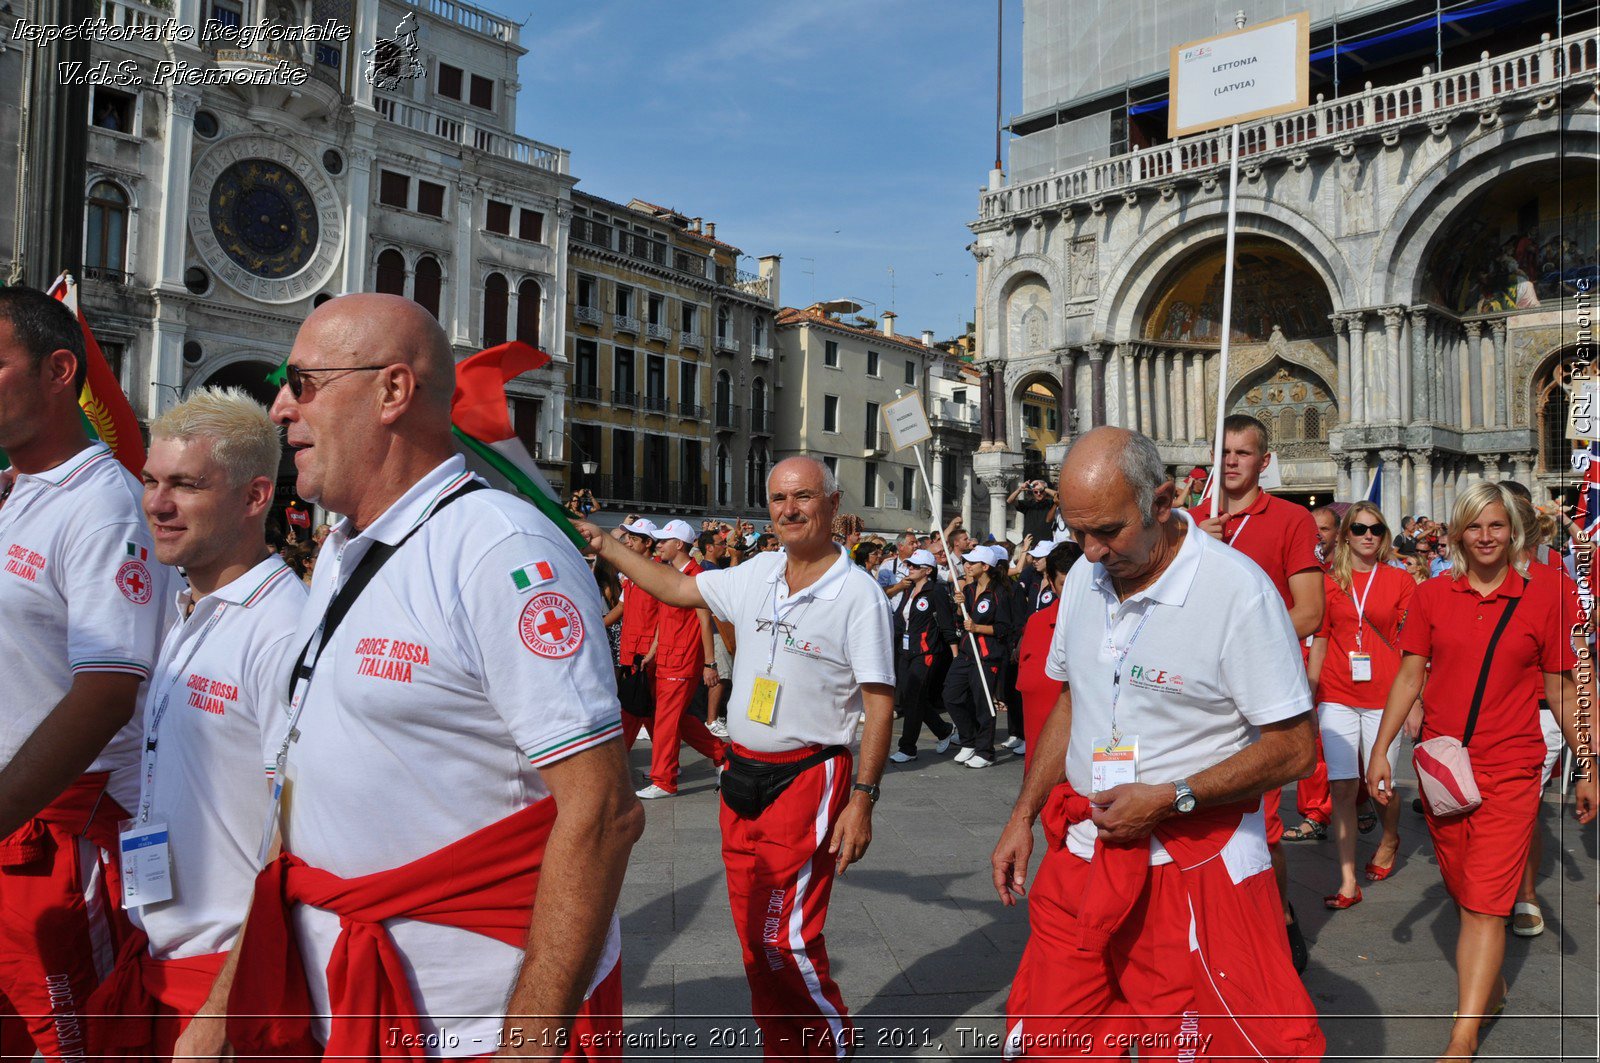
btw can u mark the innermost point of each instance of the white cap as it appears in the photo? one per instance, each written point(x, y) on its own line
point(675, 529)
point(979, 555)
point(1001, 557)
point(1042, 549)
point(923, 559)
point(642, 526)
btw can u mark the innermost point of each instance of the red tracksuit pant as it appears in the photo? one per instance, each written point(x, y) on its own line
point(672, 724)
point(780, 876)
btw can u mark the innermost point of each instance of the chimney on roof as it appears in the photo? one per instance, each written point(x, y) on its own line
point(888, 322)
point(927, 337)
point(769, 273)
point(711, 229)
point(694, 225)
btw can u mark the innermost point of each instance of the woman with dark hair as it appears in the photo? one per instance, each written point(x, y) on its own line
point(1495, 638)
point(925, 633)
point(1038, 691)
point(1353, 664)
point(990, 620)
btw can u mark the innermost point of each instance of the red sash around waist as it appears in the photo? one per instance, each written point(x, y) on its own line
point(83, 808)
point(137, 987)
point(484, 883)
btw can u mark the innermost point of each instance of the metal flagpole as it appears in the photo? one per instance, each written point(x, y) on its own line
point(1227, 319)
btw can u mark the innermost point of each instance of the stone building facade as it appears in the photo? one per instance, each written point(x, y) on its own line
point(1416, 261)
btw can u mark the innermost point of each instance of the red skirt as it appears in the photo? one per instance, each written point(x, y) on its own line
point(1481, 854)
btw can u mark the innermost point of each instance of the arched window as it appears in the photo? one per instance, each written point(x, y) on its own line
point(759, 467)
point(724, 477)
point(105, 244)
point(428, 284)
point(1288, 426)
point(528, 296)
point(496, 303)
point(391, 273)
point(1313, 423)
point(723, 319)
point(1553, 403)
point(724, 390)
point(758, 406)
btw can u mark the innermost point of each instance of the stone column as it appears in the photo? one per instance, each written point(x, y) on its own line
point(1360, 478)
point(1002, 402)
point(357, 210)
point(1128, 416)
point(1437, 507)
point(1451, 473)
point(1196, 392)
point(1146, 409)
point(1422, 497)
point(1342, 385)
point(936, 482)
point(1408, 498)
point(1397, 401)
point(1359, 413)
point(1163, 389)
point(1502, 378)
point(996, 486)
point(966, 492)
point(1178, 383)
point(1342, 488)
point(462, 277)
point(1491, 467)
point(1422, 383)
point(1522, 466)
point(1393, 487)
point(985, 407)
point(1097, 368)
point(1474, 360)
point(171, 260)
point(1067, 402)
point(168, 330)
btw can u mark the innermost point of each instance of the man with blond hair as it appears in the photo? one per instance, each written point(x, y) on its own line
point(212, 715)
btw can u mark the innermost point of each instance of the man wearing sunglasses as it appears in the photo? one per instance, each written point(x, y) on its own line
point(464, 696)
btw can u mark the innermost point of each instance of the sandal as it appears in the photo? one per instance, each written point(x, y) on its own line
point(1338, 902)
point(1378, 874)
point(1366, 820)
point(1527, 921)
point(1309, 830)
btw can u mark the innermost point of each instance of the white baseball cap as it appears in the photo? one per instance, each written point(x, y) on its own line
point(642, 526)
point(675, 529)
point(1001, 556)
point(979, 555)
point(923, 559)
point(1042, 549)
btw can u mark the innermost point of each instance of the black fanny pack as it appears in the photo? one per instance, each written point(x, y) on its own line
point(749, 786)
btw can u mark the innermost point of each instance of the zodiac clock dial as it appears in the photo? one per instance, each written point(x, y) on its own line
point(264, 218)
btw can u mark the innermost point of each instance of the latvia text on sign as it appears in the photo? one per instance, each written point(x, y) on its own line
point(1241, 75)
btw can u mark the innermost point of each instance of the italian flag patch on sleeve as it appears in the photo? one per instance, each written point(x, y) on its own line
point(137, 552)
point(534, 574)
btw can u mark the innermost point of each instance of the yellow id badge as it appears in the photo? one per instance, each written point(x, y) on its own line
point(763, 700)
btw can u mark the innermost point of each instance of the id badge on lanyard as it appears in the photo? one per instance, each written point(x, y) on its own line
point(1360, 660)
point(1114, 762)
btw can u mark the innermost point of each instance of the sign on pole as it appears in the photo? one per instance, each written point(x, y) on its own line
point(1240, 75)
point(1583, 412)
point(907, 422)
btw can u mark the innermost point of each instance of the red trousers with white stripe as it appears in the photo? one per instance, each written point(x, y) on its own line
point(672, 724)
point(780, 877)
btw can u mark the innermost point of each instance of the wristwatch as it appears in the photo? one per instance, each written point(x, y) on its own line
point(872, 792)
point(1185, 801)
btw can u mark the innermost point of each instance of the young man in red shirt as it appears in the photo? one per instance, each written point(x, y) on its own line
point(1281, 538)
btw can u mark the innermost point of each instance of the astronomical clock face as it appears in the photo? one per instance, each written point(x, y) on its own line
point(265, 219)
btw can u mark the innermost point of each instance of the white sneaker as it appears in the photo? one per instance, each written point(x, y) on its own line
point(944, 743)
point(1012, 742)
point(651, 792)
point(965, 755)
point(1020, 748)
point(718, 728)
point(978, 762)
point(902, 758)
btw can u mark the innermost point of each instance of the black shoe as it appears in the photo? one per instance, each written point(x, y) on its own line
point(1298, 952)
point(1416, 806)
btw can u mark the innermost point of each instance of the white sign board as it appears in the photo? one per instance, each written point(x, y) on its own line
point(907, 421)
point(1583, 412)
point(1244, 74)
point(1272, 475)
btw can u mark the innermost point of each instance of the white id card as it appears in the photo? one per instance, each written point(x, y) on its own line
point(146, 863)
point(1113, 765)
point(1360, 667)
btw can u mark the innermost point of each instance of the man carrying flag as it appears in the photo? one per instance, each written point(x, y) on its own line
point(106, 413)
point(83, 602)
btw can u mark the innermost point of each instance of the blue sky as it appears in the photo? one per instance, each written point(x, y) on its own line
point(849, 136)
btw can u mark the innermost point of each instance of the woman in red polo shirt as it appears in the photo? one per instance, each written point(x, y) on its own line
point(1354, 658)
point(1452, 618)
point(1039, 692)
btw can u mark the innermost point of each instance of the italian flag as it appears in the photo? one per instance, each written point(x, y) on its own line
point(106, 413)
point(480, 418)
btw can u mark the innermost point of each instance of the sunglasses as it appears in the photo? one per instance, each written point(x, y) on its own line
point(295, 377)
point(1357, 528)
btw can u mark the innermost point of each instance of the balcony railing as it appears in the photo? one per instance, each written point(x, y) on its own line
point(875, 439)
point(471, 135)
point(691, 410)
point(727, 417)
point(586, 392)
point(655, 403)
point(1537, 71)
point(629, 399)
point(728, 343)
point(476, 19)
point(103, 273)
point(761, 422)
point(624, 323)
point(760, 354)
point(686, 338)
point(957, 414)
point(641, 247)
point(589, 231)
point(589, 315)
point(657, 331)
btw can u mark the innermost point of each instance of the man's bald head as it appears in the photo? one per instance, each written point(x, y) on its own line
point(369, 328)
point(1109, 462)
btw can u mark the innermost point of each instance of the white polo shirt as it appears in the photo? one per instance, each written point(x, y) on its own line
point(1216, 658)
point(221, 673)
point(80, 591)
point(828, 639)
point(474, 657)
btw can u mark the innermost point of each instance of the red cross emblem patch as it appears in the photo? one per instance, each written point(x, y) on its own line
point(133, 580)
point(551, 626)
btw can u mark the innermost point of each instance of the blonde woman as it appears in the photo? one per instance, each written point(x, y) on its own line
point(1354, 659)
point(1452, 619)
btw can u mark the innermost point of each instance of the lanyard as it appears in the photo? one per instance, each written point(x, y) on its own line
point(1122, 659)
point(153, 728)
point(777, 618)
point(1234, 540)
point(1361, 602)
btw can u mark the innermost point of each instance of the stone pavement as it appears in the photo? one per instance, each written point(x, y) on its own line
point(925, 952)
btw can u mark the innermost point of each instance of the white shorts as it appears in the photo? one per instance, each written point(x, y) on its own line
point(720, 656)
point(1554, 743)
point(1347, 739)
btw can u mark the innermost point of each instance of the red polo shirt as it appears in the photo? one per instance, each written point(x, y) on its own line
point(1279, 536)
point(680, 653)
point(1450, 624)
point(640, 615)
point(1039, 692)
point(1385, 595)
